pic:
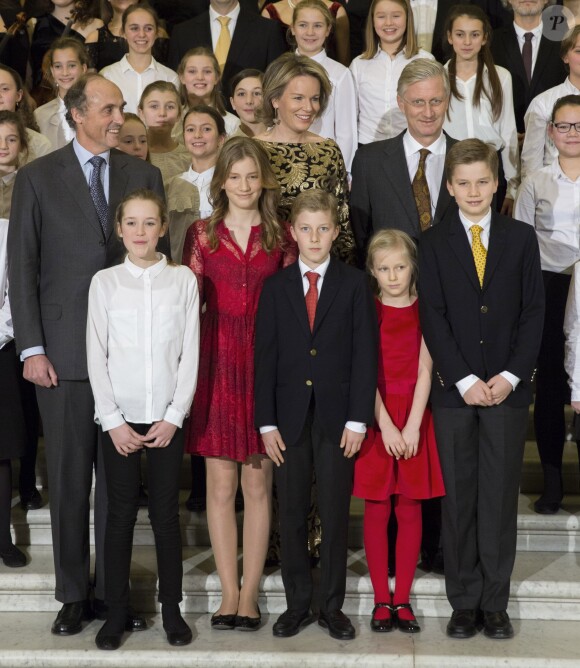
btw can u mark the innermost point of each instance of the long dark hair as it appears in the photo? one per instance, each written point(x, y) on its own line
point(484, 59)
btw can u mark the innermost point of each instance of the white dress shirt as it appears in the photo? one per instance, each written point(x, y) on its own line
point(424, 17)
point(434, 164)
point(376, 80)
point(550, 201)
point(339, 119)
point(536, 39)
point(202, 181)
point(133, 83)
point(466, 121)
point(572, 333)
point(6, 327)
point(539, 149)
point(52, 123)
point(216, 27)
point(358, 427)
point(485, 223)
point(143, 343)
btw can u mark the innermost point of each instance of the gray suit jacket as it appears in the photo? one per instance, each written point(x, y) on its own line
point(381, 196)
point(56, 245)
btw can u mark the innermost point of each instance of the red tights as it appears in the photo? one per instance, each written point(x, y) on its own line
point(376, 519)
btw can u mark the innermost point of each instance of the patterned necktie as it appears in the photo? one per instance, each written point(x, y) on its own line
point(421, 192)
point(98, 192)
point(224, 40)
point(527, 54)
point(311, 296)
point(479, 252)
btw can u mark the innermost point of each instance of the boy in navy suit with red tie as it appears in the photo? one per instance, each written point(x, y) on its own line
point(481, 302)
point(315, 385)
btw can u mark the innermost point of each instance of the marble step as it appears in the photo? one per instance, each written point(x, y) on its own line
point(545, 585)
point(560, 532)
point(27, 642)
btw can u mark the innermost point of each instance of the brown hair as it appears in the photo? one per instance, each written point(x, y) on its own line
point(279, 74)
point(567, 100)
point(136, 7)
point(58, 45)
point(391, 239)
point(467, 152)
point(484, 59)
point(408, 42)
point(133, 117)
point(310, 4)
point(568, 43)
point(212, 113)
point(13, 118)
point(313, 200)
point(24, 108)
point(234, 150)
point(217, 99)
point(162, 87)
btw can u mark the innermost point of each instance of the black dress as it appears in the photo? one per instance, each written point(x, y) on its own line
point(14, 52)
point(109, 49)
point(13, 438)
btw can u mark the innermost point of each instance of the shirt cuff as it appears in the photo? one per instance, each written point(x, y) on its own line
point(174, 416)
point(513, 380)
point(465, 383)
point(30, 352)
point(112, 421)
point(267, 428)
point(359, 427)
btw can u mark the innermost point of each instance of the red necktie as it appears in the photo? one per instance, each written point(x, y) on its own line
point(311, 296)
point(527, 54)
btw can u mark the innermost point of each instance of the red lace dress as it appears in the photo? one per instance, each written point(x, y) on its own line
point(221, 423)
point(377, 474)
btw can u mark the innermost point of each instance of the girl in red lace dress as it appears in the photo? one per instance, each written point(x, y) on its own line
point(398, 464)
point(232, 254)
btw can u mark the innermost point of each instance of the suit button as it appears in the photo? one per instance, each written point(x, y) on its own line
point(309, 383)
point(483, 309)
point(313, 352)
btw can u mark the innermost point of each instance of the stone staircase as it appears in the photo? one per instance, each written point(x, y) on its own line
point(545, 601)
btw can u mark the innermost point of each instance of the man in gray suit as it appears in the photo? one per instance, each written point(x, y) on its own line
point(392, 179)
point(62, 233)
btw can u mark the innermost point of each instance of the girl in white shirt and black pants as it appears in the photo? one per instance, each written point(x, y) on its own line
point(143, 349)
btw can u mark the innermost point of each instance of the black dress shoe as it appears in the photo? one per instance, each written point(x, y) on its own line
point(223, 622)
point(546, 507)
point(337, 623)
point(133, 622)
point(178, 632)
point(382, 625)
point(31, 500)
point(406, 625)
point(109, 636)
point(69, 619)
point(248, 623)
point(291, 622)
point(497, 625)
point(13, 557)
point(463, 624)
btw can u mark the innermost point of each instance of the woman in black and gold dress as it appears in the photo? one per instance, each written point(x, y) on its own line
point(295, 92)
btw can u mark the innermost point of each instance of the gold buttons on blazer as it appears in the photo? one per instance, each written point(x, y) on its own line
point(483, 309)
point(313, 352)
point(309, 383)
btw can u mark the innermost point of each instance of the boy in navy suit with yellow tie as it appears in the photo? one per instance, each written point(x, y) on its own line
point(315, 385)
point(481, 303)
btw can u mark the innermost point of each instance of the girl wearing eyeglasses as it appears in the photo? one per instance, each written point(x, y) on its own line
point(481, 103)
point(390, 45)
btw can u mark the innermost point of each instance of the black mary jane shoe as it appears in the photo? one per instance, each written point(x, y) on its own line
point(383, 625)
point(406, 625)
point(248, 623)
point(223, 622)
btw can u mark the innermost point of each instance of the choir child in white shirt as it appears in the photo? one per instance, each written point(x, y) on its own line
point(312, 23)
point(66, 61)
point(142, 353)
point(539, 149)
point(481, 103)
point(137, 69)
point(549, 199)
point(390, 45)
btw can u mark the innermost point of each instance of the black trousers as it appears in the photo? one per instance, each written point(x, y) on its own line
point(123, 479)
point(552, 392)
point(481, 452)
point(334, 475)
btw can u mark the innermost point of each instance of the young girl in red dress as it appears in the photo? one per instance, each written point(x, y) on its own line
point(232, 253)
point(398, 464)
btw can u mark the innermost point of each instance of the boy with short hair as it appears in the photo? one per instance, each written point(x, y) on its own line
point(481, 303)
point(315, 384)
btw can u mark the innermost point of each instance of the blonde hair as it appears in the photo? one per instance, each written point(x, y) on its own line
point(217, 99)
point(320, 6)
point(314, 200)
point(234, 150)
point(161, 87)
point(408, 42)
point(280, 73)
point(388, 240)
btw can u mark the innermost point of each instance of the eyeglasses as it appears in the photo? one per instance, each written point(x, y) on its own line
point(421, 104)
point(564, 128)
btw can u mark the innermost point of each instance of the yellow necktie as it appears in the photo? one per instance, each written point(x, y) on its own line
point(224, 40)
point(479, 252)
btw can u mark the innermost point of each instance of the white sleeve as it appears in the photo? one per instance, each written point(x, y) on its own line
point(536, 122)
point(525, 207)
point(345, 119)
point(509, 134)
point(572, 334)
